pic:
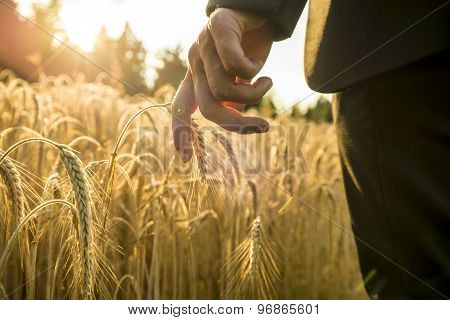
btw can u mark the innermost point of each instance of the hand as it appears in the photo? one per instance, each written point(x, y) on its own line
point(228, 53)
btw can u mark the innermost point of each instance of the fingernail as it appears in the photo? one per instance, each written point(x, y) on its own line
point(269, 85)
point(185, 155)
point(263, 128)
point(258, 125)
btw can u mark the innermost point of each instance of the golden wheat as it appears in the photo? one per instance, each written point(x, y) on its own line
point(140, 225)
point(13, 181)
point(201, 154)
point(251, 271)
point(228, 147)
point(81, 190)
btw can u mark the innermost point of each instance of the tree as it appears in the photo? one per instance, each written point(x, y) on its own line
point(131, 56)
point(266, 106)
point(103, 47)
point(172, 71)
point(320, 112)
point(103, 54)
point(296, 112)
point(46, 16)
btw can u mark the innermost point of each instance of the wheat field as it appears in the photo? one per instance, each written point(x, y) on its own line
point(94, 203)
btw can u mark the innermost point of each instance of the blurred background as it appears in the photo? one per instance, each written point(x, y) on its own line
point(248, 218)
point(141, 43)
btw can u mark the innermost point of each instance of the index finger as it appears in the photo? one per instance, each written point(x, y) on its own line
point(183, 107)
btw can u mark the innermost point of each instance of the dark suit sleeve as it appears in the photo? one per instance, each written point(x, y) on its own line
point(283, 13)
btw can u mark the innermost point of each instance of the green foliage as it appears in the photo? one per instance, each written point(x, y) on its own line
point(123, 58)
point(320, 112)
point(266, 106)
point(172, 71)
point(296, 112)
point(131, 56)
point(103, 48)
point(47, 17)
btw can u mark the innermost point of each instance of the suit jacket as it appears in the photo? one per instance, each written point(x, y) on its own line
point(349, 41)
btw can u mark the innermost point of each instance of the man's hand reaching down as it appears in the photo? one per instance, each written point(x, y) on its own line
point(228, 54)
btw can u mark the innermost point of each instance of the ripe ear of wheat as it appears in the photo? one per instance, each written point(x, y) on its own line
point(78, 178)
point(251, 271)
point(13, 182)
point(200, 152)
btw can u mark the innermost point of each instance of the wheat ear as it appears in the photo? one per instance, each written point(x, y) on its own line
point(80, 185)
point(13, 182)
point(198, 141)
point(251, 271)
point(254, 191)
point(255, 244)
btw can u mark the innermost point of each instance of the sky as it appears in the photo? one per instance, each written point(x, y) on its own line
point(167, 23)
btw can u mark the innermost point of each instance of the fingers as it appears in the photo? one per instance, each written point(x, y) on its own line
point(226, 114)
point(227, 36)
point(182, 108)
point(222, 83)
point(212, 109)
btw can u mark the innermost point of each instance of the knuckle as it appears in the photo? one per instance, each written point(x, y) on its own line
point(193, 54)
point(202, 39)
point(215, 20)
point(232, 67)
point(238, 68)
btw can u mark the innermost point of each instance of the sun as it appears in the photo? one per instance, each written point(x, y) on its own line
point(82, 20)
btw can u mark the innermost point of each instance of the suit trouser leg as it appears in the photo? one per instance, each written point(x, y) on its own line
point(394, 142)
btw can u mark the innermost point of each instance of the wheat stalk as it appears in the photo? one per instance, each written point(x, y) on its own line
point(228, 146)
point(22, 226)
point(195, 223)
point(52, 187)
point(109, 181)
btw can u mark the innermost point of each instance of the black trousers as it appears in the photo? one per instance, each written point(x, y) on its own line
point(394, 142)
